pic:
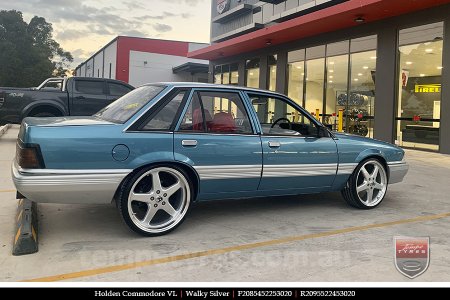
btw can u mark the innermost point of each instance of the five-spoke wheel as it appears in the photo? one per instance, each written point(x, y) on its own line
point(367, 187)
point(155, 200)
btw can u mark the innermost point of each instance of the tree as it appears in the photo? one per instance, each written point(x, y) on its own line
point(28, 52)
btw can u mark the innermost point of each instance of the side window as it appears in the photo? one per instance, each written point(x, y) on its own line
point(163, 119)
point(216, 112)
point(89, 87)
point(278, 117)
point(117, 89)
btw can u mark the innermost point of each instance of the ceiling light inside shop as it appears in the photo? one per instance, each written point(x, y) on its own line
point(331, 71)
point(331, 77)
point(360, 74)
point(422, 75)
point(331, 62)
point(356, 79)
point(299, 67)
point(429, 50)
point(331, 81)
point(440, 68)
point(251, 74)
point(409, 63)
point(365, 67)
point(373, 57)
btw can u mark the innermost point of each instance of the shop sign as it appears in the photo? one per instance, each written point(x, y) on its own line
point(428, 88)
point(223, 6)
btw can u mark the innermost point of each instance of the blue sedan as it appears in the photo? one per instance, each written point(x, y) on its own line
point(163, 146)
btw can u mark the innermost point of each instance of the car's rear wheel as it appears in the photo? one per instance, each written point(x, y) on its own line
point(155, 201)
point(367, 186)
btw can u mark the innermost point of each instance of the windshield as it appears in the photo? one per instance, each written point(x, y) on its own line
point(125, 107)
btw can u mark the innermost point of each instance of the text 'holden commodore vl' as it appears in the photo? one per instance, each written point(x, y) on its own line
point(163, 146)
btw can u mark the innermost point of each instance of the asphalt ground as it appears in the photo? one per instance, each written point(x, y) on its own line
point(307, 238)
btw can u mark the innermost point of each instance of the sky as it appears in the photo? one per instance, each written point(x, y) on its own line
point(84, 26)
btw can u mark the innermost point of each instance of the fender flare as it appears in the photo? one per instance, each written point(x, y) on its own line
point(26, 111)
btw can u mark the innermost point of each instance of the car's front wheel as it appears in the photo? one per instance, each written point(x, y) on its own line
point(155, 200)
point(367, 186)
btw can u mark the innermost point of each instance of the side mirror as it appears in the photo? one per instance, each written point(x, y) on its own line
point(322, 132)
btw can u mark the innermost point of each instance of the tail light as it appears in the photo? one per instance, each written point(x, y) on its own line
point(28, 156)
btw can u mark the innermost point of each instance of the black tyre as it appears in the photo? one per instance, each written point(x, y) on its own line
point(367, 186)
point(155, 200)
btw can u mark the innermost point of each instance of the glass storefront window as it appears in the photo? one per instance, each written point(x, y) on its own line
point(419, 98)
point(234, 74)
point(296, 75)
point(272, 74)
point(226, 74)
point(318, 79)
point(337, 86)
point(315, 76)
point(361, 101)
point(252, 73)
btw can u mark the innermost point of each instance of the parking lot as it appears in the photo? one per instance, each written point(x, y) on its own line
point(291, 239)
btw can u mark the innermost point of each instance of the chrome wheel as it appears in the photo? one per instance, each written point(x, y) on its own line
point(158, 200)
point(371, 183)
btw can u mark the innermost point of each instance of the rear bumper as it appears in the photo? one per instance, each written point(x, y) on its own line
point(68, 186)
point(397, 171)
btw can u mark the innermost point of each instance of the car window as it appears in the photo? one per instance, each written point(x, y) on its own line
point(125, 107)
point(216, 112)
point(117, 89)
point(89, 87)
point(278, 117)
point(165, 117)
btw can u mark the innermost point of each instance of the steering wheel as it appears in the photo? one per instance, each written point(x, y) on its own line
point(282, 119)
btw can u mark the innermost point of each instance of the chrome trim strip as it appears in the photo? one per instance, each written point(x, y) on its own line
point(256, 171)
point(49, 172)
point(228, 172)
point(346, 169)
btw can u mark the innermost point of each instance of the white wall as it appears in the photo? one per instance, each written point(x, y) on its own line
point(89, 67)
point(150, 67)
point(196, 46)
point(82, 70)
point(98, 65)
point(111, 60)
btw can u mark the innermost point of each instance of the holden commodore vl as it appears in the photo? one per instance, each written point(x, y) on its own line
point(163, 146)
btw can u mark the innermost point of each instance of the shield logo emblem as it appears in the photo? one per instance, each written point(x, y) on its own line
point(412, 255)
point(223, 6)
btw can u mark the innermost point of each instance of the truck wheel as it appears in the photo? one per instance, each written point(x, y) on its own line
point(45, 111)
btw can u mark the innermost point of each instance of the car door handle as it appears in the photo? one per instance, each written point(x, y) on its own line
point(189, 143)
point(274, 144)
point(80, 98)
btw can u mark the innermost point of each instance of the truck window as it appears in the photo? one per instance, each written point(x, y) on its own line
point(89, 87)
point(117, 89)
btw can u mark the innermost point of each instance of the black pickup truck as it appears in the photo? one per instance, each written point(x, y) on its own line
point(75, 96)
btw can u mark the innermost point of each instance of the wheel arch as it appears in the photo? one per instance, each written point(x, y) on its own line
point(190, 172)
point(377, 156)
point(42, 106)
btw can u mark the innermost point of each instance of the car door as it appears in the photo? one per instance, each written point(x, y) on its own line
point(88, 97)
point(116, 90)
point(215, 136)
point(297, 153)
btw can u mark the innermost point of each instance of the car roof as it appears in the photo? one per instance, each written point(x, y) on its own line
point(216, 86)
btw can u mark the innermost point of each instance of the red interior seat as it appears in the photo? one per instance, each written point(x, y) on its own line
point(223, 122)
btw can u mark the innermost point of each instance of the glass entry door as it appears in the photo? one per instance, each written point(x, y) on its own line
point(419, 98)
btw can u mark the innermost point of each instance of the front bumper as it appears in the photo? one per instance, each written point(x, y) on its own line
point(68, 186)
point(397, 171)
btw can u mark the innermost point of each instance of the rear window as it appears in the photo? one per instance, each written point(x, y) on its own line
point(125, 107)
point(89, 87)
point(117, 89)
